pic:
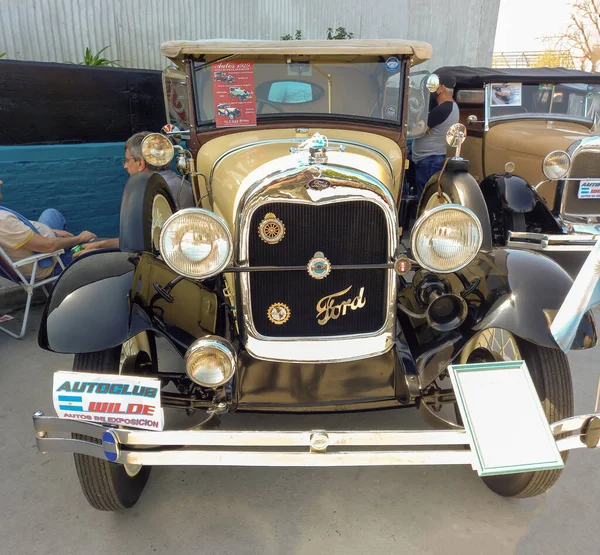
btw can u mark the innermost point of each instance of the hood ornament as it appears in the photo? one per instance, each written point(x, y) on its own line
point(318, 266)
point(317, 147)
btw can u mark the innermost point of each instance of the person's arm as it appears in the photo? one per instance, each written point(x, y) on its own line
point(439, 114)
point(102, 244)
point(39, 243)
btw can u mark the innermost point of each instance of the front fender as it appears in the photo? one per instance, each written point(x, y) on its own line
point(509, 192)
point(522, 291)
point(89, 308)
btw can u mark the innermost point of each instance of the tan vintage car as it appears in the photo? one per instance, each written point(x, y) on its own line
point(291, 288)
point(532, 144)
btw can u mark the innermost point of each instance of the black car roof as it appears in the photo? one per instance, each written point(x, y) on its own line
point(477, 76)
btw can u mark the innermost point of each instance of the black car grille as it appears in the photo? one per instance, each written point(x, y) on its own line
point(585, 165)
point(346, 233)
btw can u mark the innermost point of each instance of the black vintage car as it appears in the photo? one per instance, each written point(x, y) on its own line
point(289, 289)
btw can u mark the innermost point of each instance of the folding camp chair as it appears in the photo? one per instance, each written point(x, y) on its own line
point(10, 270)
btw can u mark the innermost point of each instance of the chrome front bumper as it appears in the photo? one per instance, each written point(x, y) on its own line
point(543, 242)
point(293, 448)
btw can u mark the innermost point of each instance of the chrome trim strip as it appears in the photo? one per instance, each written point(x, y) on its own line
point(347, 186)
point(132, 445)
point(543, 117)
point(291, 140)
point(486, 124)
point(546, 243)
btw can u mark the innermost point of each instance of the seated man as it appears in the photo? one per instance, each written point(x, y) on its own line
point(21, 238)
point(135, 163)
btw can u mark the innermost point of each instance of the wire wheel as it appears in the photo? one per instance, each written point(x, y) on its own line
point(491, 345)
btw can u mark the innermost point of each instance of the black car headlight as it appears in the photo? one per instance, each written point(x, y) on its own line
point(196, 243)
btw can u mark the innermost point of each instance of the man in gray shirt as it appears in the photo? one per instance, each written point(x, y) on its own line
point(429, 151)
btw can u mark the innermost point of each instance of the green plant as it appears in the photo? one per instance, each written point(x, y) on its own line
point(297, 36)
point(340, 34)
point(2, 54)
point(90, 59)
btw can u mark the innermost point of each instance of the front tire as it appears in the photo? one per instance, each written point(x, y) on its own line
point(551, 375)
point(106, 485)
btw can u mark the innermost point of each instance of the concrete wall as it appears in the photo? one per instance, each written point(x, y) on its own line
point(460, 31)
point(84, 182)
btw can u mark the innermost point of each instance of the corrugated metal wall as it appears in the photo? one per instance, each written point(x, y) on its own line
point(461, 31)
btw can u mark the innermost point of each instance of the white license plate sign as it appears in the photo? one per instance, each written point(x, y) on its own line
point(589, 189)
point(129, 401)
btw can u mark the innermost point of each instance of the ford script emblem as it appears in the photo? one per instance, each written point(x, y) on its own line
point(318, 184)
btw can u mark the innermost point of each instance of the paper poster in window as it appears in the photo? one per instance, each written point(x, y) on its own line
point(506, 94)
point(234, 94)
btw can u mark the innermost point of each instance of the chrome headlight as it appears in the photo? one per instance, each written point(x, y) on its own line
point(157, 149)
point(446, 238)
point(556, 164)
point(196, 243)
point(210, 361)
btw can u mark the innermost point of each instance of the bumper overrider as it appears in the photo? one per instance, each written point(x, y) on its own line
point(290, 448)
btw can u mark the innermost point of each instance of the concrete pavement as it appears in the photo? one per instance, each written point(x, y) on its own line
point(280, 510)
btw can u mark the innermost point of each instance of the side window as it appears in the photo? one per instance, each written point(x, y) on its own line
point(175, 95)
point(470, 96)
point(418, 103)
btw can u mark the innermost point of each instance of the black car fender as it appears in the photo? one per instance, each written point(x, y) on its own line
point(522, 291)
point(508, 192)
point(90, 307)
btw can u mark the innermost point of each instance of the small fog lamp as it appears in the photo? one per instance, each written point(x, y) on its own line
point(210, 361)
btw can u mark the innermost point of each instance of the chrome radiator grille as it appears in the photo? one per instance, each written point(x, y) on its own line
point(352, 232)
point(585, 165)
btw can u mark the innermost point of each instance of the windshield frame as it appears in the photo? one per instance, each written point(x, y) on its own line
point(198, 64)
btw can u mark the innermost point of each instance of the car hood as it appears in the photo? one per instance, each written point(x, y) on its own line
point(235, 164)
point(536, 136)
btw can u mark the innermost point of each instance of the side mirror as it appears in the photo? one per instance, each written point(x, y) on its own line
point(432, 83)
point(455, 137)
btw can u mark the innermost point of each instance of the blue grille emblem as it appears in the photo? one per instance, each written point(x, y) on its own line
point(318, 266)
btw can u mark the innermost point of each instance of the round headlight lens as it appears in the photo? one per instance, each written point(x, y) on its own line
point(210, 361)
point(556, 164)
point(446, 238)
point(196, 243)
point(157, 149)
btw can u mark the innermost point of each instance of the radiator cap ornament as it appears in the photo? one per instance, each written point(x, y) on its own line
point(318, 266)
point(271, 230)
point(279, 313)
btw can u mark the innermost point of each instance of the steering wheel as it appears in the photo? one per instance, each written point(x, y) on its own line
point(416, 102)
point(273, 105)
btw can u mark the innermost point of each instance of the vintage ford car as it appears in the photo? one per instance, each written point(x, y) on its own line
point(290, 289)
point(532, 144)
point(242, 94)
point(230, 111)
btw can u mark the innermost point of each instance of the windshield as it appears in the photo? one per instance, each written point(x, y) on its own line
point(570, 100)
point(240, 92)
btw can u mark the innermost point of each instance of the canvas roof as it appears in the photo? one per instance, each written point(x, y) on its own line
point(478, 76)
point(176, 50)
